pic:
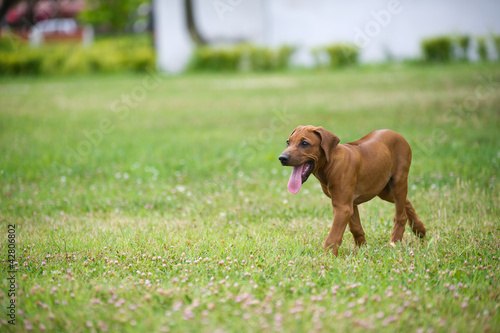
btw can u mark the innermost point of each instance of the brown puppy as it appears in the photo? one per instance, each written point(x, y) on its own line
point(353, 173)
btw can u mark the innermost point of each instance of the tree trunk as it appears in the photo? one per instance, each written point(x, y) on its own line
point(191, 24)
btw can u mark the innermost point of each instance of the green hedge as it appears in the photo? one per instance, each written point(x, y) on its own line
point(205, 58)
point(136, 53)
point(463, 44)
point(456, 48)
point(438, 49)
point(118, 54)
point(496, 43)
point(337, 55)
point(242, 57)
point(482, 49)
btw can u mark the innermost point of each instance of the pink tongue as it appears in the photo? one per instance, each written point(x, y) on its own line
point(295, 181)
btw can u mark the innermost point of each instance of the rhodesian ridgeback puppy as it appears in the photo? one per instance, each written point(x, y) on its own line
point(353, 173)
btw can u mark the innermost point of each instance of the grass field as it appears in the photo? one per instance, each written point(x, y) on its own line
point(155, 204)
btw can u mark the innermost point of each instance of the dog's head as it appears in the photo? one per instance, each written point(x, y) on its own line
point(308, 148)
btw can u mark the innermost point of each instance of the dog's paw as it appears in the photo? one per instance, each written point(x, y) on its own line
point(331, 248)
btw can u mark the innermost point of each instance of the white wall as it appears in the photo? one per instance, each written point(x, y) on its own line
point(223, 21)
point(379, 27)
point(172, 41)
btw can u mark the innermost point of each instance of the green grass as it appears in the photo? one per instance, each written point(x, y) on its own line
point(174, 215)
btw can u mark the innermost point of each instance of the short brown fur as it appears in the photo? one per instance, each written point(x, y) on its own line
point(356, 172)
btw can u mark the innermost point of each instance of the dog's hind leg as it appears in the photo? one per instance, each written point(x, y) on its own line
point(400, 190)
point(415, 223)
point(356, 228)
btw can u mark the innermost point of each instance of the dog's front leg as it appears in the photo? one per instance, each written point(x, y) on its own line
point(342, 215)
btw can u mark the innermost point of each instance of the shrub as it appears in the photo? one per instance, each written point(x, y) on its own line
point(336, 55)
point(496, 42)
point(265, 59)
point(207, 58)
point(482, 49)
point(75, 63)
point(143, 58)
point(463, 43)
point(261, 59)
point(342, 55)
point(240, 57)
point(283, 56)
point(438, 49)
point(105, 55)
point(13, 63)
point(54, 63)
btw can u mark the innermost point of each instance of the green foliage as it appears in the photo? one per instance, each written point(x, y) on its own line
point(133, 53)
point(437, 49)
point(111, 15)
point(207, 58)
point(482, 49)
point(496, 43)
point(440, 49)
point(336, 55)
point(342, 55)
point(463, 43)
point(241, 57)
point(23, 63)
point(265, 59)
point(282, 59)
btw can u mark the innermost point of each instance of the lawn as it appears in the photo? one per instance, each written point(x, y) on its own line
point(149, 203)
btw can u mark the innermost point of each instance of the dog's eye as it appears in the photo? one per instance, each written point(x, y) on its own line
point(287, 143)
point(305, 143)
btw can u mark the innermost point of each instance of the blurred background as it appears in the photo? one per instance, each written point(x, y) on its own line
point(79, 36)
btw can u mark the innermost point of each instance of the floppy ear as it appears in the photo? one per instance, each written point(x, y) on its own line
point(328, 141)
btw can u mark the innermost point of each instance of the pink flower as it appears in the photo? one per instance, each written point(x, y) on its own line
point(188, 314)
point(177, 306)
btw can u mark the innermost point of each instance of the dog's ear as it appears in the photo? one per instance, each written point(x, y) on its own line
point(328, 141)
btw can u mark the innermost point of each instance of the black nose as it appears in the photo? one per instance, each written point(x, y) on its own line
point(284, 158)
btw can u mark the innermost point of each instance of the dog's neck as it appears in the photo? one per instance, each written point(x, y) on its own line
point(321, 176)
point(325, 167)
